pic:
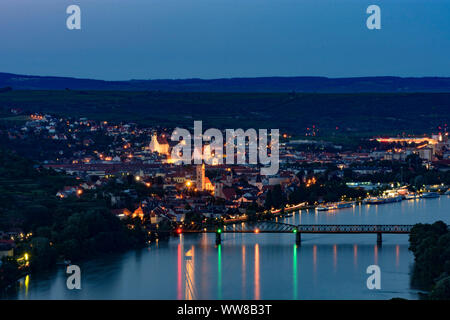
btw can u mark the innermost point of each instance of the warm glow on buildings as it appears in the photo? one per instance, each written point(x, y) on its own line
point(138, 213)
point(407, 140)
point(159, 145)
point(311, 181)
point(208, 185)
point(36, 117)
point(200, 177)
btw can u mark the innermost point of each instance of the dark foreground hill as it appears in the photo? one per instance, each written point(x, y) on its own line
point(264, 84)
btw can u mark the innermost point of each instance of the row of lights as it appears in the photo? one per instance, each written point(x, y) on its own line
point(180, 231)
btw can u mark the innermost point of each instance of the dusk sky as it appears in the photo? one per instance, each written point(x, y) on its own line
point(153, 39)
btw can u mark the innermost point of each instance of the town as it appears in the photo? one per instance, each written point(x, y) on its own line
point(101, 154)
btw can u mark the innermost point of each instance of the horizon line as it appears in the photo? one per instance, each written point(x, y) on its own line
point(228, 78)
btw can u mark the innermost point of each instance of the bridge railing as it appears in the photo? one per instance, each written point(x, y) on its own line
point(354, 228)
point(269, 226)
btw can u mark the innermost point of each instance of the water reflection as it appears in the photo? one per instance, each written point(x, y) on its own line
point(219, 271)
point(315, 258)
point(257, 276)
point(243, 271)
point(397, 255)
point(204, 256)
point(189, 275)
point(27, 284)
point(179, 271)
point(335, 258)
point(294, 274)
point(375, 253)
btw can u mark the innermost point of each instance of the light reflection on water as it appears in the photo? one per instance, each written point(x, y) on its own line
point(295, 273)
point(263, 266)
point(243, 271)
point(257, 282)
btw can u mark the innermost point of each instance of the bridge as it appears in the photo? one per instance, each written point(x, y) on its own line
point(277, 227)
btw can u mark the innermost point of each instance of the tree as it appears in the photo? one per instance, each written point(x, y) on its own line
point(268, 204)
point(251, 214)
point(430, 245)
point(43, 255)
point(164, 229)
point(348, 174)
point(36, 215)
point(130, 179)
point(192, 216)
point(441, 290)
point(277, 197)
point(419, 181)
point(9, 271)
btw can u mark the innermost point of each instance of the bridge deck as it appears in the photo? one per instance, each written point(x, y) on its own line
point(272, 227)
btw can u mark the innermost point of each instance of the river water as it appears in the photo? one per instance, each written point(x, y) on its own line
point(257, 266)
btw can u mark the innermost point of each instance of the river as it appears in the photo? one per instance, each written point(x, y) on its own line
point(257, 266)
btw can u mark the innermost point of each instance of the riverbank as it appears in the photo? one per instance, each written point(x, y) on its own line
point(335, 205)
point(429, 244)
point(268, 266)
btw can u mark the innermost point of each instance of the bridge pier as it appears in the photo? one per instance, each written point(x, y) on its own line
point(298, 238)
point(218, 238)
point(379, 238)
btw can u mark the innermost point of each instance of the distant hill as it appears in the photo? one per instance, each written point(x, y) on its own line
point(331, 113)
point(263, 84)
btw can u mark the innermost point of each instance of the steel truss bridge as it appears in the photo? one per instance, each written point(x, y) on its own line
point(277, 227)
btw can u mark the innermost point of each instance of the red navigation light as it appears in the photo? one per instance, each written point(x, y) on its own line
point(179, 231)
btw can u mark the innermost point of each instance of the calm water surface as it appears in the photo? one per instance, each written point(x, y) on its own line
point(258, 266)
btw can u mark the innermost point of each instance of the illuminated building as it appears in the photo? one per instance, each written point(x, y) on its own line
point(138, 213)
point(208, 185)
point(407, 140)
point(159, 145)
point(426, 154)
point(200, 182)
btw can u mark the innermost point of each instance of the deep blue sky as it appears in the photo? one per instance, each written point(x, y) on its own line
point(150, 39)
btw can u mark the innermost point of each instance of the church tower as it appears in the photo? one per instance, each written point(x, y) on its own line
point(200, 177)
